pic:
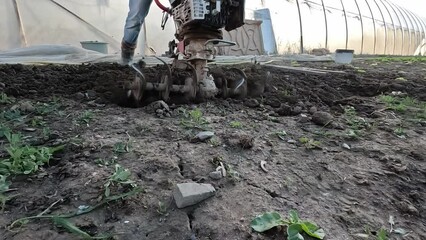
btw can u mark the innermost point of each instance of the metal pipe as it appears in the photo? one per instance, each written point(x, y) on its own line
point(406, 24)
point(346, 23)
point(384, 23)
point(362, 26)
point(21, 25)
point(301, 28)
point(412, 27)
point(422, 24)
point(393, 26)
point(90, 25)
point(418, 28)
point(326, 25)
point(400, 24)
point(374, 26)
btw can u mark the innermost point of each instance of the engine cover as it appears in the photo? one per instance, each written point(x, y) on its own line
point(216, 14)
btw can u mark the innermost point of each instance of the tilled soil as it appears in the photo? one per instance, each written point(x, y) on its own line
point(354, 174)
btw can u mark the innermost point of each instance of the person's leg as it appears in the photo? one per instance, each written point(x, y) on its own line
point(138, 10)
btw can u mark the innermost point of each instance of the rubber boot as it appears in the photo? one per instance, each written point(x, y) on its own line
point(127, 53)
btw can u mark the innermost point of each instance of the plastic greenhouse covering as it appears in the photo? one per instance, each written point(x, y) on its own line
point(389, 27)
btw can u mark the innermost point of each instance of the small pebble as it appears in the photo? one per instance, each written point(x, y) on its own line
point(216, 175)
point(346, 146)
point(79, 95)
point(202, 136)
point(26, 107)
point(322, 118)
point(91, 94)
point(29, 129)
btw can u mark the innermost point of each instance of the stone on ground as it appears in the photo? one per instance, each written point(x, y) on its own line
point(188, 194)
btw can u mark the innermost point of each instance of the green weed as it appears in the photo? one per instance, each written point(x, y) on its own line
point(47, 108)
point(382, 234)
point(11, 115)
point(37, 121)
point(46, 132)
point(236, 124)
point(121, 147)
point(120, 177)
point(405, 105)
point(310, 143)
point(4, 99)
point(4, 188)
point(281, 134)
point(24, 159)
point(86, 117)
point(399, 59)
point(214, 141)
point(193, 119)
point(62, 219)
point(162, 208)
point(400, 132)
point(295, 226)
point(356, 124)
point(105, 162)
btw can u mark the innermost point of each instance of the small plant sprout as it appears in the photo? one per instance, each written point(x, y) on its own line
point(47, 108)
point(193, 119)
point(356, 124)
point(37, 121)
point(295, 226)
point(120, 177)
point(85, 117)
point(162, 208)
point(310, 143)
point(281, 134)
point(4, 99)
point(121, 147)
point(236, 124)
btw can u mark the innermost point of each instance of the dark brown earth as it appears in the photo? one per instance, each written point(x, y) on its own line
point(345, 191)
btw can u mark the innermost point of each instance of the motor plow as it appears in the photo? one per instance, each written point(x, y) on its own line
point(199, 25)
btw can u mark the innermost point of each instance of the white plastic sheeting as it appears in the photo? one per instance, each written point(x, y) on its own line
point(367, 26)
point(33, 22)
point(66, 54)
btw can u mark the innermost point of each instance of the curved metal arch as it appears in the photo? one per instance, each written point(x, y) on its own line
point(326, 24)
point(384, 23)
point(362, 26)
point(406, 25)
point(412, 25)
point(417, 30)
point(423, 24)
point(393, 26)
point(301, 28)
point(400, 24)
point(346, 23)
point(419, 39)
point(374, 26)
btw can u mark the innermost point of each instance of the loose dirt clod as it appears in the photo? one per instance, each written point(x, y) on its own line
point(322, 118)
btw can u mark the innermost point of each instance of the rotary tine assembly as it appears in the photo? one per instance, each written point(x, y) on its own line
point(198, 31)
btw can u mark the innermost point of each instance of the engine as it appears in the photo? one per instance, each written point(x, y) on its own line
point(210, 14)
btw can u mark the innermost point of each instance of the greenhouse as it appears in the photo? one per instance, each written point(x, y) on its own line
point(284, 26)
point(213, 119)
